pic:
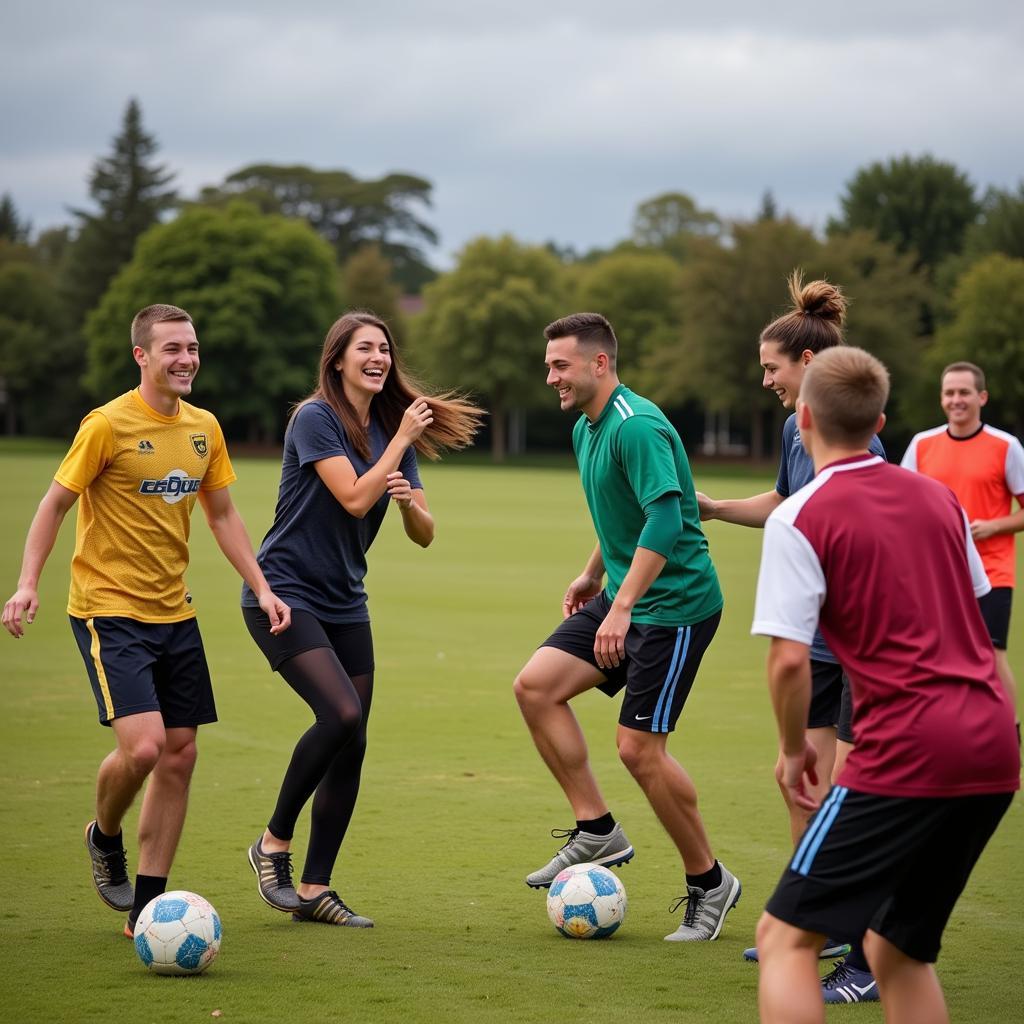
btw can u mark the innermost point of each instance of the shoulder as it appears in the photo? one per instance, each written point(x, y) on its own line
point(316, 414)
point(1002, 436)
point(789, 427)
point(192, 415)
point(926, 435)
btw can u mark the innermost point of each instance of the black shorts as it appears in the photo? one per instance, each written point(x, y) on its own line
point(844, 731)
point(147, 666)
point(894, 865)
point(995, 610)
point(351, 641)
point(826, 694)
point(659, 668)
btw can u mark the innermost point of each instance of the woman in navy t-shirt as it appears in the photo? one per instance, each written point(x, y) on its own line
point(349, 450)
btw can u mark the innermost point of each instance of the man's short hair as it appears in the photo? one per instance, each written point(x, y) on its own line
point(846, 389)
point(964, 367)
point(590, 329)
point(142, 324)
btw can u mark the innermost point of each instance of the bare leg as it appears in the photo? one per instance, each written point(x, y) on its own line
point(670, 792)
point(824, 742)
point(163, 807)
point(140, 743)
point(789, 990)
point(543, 688)
point(909, 989)
point(842, 753)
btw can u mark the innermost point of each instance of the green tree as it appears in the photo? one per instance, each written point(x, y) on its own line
point(12, 227)
point(262, 291)
point(1001, 225)
point(671, 221)
point(988, 329)
point(366, 283)
point(481, 328)
point(348, 211)
point(132, 194)
point(918, 204)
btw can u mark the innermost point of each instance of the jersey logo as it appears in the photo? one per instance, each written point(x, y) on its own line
point(199, 443)
point(146, 447)
point(175, 486)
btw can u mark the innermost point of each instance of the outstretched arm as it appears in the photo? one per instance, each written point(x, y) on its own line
point(42, 535)
point(231, 536)
point(742, 511)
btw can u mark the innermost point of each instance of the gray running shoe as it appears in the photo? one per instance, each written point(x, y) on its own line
point(705, 911)
point(329, 908)
point(274, 878)
point(582, 848)
point(110, 874)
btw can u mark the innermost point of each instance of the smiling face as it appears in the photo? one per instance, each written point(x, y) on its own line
point(782, 374)
point(364, 365)
point(962, 402)
point(574, 373)
point(169, 364)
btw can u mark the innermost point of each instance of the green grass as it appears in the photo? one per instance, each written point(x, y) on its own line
point(455, 806)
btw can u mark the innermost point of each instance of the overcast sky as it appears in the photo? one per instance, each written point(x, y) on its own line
point(549, 120)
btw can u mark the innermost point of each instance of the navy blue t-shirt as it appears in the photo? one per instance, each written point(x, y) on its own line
point(314, 556)
point(796, 470)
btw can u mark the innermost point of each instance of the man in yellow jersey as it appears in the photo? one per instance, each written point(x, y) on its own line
point(139, 463)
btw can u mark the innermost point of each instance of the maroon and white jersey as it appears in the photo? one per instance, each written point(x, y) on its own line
point(883, 559)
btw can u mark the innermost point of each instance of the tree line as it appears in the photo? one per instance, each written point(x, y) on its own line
point(266, 260)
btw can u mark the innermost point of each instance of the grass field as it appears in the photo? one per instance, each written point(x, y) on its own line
point(455, 807)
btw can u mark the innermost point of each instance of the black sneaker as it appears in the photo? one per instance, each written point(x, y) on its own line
point(329, 908)
point(274, 878)
point(110, 874)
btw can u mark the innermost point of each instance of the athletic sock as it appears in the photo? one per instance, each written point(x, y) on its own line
point(108, 844)
point(602, 826)
point(856, 959)
point(709, 880)
point(147, 887)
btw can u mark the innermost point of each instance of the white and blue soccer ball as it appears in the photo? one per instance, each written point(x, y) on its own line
point(177, 933)
point(586, 901)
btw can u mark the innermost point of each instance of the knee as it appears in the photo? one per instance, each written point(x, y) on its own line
point(180, 761)
point(639, 753)
point(143, 754)
point(344, 724)
point(529, 689)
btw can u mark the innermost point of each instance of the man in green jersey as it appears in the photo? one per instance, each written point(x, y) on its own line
point(645, 631)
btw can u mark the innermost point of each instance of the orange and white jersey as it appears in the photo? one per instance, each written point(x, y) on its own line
point(985, 471)
point(138, 473)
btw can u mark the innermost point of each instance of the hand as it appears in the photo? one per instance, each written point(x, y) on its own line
point(276, 610)
point(706, 507)
point(399, 489)
point(24, 602)
point(581, 590)
point(610, 641)
point(415, 420)
point(797, 772)
point(982, 529)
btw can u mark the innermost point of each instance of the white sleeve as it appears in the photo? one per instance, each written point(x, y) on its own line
point(910, 455)
point(979, 580)
point(1015, 467)
point(790, 586)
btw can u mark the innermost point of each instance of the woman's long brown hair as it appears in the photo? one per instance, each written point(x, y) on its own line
point(456, 419)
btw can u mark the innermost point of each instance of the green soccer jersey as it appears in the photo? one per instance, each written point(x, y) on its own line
point(629, 456)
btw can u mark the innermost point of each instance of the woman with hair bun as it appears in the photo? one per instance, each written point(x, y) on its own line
point(787, 346)
point(349, 452)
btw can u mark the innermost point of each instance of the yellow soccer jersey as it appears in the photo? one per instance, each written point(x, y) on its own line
point(138, 474)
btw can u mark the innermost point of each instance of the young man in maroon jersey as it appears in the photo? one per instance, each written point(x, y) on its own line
point(883, 561)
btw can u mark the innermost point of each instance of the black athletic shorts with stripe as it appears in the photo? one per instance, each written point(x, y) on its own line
point(896, 865)
point(147, 666)
point(659, 668)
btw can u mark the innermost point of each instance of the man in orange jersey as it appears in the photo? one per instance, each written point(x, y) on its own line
point(984, 468)
point(139, 463)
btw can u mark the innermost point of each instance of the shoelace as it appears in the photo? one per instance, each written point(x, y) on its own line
point(693, 899)
point(282, 865)
point(568, 834)
point(115, 866)
point(837, 975)
point(338, 907)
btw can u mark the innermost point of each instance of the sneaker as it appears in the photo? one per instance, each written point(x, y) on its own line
point(274, 878)
point(329, 908)
point(582, 848)
point(832, 950)
point(845, 984)
point(110, 874)
point(705, 911)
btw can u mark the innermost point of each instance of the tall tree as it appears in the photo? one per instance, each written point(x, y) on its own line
point(262, 290)
point(671, 221)
point(132, 193)
point(481, 329)
point(366, 284)
point(12, 227)
point(1001, 225)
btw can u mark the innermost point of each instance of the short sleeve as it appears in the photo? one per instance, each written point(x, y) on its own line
point(410, 469)
point(910, 456)
point(90, 453)
point(790, 586)
point(646, 456)
point(1015, 467)
point(317, 433)
point(979, 578)
point(220, 473)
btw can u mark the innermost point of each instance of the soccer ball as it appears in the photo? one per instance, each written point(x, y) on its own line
point(177, 933)
point(586, 901)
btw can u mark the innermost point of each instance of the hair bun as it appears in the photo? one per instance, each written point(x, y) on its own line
point(818, 298)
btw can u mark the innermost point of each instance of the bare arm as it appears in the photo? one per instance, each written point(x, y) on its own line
point(789, 682)
point(741, 511)
point(412, 503)
point(982, 529)
point(42, 535)
point(610, 640)
point(231, 536)
point(586, 585)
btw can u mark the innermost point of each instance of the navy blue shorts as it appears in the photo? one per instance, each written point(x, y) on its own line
point(147, 666)
point(659, 668)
